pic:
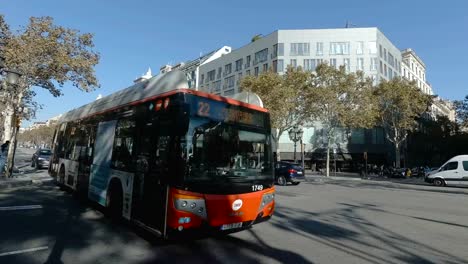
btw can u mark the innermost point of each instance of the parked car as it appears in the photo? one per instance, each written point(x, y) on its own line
point(40, 158)
point(289, 172)
point(453, 172)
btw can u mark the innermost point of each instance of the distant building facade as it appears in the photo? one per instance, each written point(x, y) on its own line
point(192, 68)
point(358, 49)
point(364, 49)
point(414, 69)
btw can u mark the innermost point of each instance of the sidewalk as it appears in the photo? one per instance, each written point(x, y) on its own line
point(317, 176)
point(24, 178)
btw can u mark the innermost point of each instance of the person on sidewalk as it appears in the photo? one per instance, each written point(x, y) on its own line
point(4, 155)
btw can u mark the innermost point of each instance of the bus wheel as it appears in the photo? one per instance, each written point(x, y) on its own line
point(114, 201)
point(61, 177)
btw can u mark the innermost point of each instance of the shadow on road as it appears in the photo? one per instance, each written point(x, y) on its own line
point(362, 238)
point(76, 232)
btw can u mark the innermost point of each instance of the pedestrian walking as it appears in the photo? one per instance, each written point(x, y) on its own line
point(3, 155)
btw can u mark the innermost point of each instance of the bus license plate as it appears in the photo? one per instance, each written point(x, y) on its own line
point(231, 226)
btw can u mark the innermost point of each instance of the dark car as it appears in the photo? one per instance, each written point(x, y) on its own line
point(289, 172)
point(40, 158)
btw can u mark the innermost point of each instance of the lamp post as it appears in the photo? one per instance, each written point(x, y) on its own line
point(295, 134)
point(10, 80)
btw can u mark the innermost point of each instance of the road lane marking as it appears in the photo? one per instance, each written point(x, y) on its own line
point(23, 207)
point(22, 251)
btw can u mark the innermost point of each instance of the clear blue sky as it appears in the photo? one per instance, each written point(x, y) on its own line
point(134, 35)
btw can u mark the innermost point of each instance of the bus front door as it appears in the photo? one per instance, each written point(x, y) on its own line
point(148, 191)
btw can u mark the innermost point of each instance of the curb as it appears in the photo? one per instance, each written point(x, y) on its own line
point(324, 178)
point(12, 184)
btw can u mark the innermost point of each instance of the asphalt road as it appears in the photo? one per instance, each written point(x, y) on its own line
point(334, 222)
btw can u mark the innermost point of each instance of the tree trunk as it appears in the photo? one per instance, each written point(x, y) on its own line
point(7, 122)
point(397, 155)
point(328, 156)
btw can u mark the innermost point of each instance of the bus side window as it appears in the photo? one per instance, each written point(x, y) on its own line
point(123, 145)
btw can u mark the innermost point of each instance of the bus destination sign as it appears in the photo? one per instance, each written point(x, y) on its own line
point(223, 112)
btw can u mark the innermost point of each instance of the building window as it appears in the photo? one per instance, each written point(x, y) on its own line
point(265, 67)
point(380, 51)
point(357, 136)
point(346, 64)
point(385, 70)
point(239, 78)
point(227, 69)
point(202, 78)
point(373, 65)
point(239, 64)
point(261, 56)
point(247, 73)
point(385, 54)
point(280, 66)
point(372, 47)
point(309, 65)
point(278, 50)
point(360, 47)
point(218, 76)
point(318, 62)
point(319, 50)
point(256, 71)
point(217, 86)
point(360, 64)
point(333, 63)
point(378, 135)
point(211, 75)
point(390, 74)
point(229, 82)
point(339, 48)
point(381, 67)
point(293, 63)
point(374, 79)
point(391, 60)
point(300, 49)
point(247, 63)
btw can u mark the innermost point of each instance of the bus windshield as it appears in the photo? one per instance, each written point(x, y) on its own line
point(221, 152)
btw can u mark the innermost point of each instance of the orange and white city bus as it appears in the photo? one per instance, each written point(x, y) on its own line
point(169, 159)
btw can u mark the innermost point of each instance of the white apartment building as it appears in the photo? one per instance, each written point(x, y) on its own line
point(358, 49)
point(192, 68)
point(364, 49)
point(414, 69)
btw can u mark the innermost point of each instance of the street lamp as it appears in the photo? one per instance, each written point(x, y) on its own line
point(11, 79)
point(295, 134)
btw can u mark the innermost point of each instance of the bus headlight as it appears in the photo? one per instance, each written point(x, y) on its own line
point(266, 199)
point(197, 205)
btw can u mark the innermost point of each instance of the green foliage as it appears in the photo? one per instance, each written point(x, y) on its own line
point(339, 100)
point(47, 54)
point(435, 141)
point(282, 95)
point(37, 137)
point(461, 108)
point(400, 103)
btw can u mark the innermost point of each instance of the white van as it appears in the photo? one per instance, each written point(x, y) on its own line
point(453, 172)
